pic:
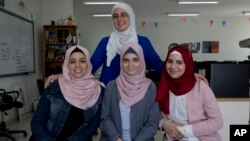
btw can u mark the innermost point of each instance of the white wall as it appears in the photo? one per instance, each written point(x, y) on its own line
point(92, 30)
point(234, 113)
point(29, 81)
point(197, 30)
point(54, 10)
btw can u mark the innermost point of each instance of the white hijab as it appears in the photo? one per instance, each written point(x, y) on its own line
point(117, 39)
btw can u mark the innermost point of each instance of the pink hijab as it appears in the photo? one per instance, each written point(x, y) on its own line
point(132, 89)
point(83, 92)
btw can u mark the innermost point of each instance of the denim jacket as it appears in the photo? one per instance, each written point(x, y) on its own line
point(51, 114)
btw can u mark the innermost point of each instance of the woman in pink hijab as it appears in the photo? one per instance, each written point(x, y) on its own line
point(129, 110)
point(69, 109)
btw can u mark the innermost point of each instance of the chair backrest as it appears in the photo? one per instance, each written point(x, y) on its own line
point(7, 101)
point(40, 85)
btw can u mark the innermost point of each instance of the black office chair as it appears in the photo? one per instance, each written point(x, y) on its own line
point(40, 85)
point(7, 102)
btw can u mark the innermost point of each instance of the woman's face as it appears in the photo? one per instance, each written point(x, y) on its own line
point(130, 63)
point(175, 66)
point(121, 19)
point(77, 65)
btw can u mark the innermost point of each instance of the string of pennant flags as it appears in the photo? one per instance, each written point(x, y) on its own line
point(194, 19)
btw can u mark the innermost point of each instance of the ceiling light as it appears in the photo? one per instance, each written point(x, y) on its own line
point(100, 3)
point(197, 2)
point(182, 14)
point(101, 15)
point(246, 13)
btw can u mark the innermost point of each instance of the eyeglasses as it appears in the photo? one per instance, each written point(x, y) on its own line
point(123, 15)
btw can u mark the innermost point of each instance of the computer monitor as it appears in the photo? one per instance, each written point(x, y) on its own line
point(230, 80)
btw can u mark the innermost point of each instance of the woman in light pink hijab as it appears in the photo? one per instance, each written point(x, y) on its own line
point(129, 110)
point(70, 107)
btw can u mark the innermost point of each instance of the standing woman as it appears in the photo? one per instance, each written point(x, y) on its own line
point(107, 53)
point(129, 109)
point(189, 108)
point(69, 109)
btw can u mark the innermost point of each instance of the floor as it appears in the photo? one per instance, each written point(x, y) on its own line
point(24, 124)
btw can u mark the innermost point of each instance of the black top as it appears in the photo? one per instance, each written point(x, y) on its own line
point(74, 120)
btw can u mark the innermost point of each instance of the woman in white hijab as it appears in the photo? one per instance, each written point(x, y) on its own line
point(107, 53)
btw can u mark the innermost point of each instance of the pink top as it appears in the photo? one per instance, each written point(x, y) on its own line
point(203, 112)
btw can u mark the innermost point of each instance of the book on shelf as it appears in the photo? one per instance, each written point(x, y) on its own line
point(50, 54)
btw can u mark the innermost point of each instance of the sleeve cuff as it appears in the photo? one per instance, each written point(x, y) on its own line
point(161, 125)
point(187, 131)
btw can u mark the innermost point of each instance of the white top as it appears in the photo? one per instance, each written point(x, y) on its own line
point(178, 113)
point(178, 108)
point(125, 115)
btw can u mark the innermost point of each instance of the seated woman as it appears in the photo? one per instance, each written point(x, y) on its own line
point(70, 108)
point(129, 110)
point(189, 108)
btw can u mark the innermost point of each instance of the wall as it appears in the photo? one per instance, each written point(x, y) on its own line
point(233, 113)
point(177, 30)
point(235, 29)
point(54, 10)
point(32, 10)
point(171, 30)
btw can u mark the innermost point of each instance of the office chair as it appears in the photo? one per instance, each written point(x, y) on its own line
point(40, 85)
point(7, 102)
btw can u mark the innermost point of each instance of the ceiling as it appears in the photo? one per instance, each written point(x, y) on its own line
point(157, 8)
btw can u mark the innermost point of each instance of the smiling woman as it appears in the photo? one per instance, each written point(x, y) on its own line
point(107, 53)
point(71, 106)
point(177, 90)
point(134, 114)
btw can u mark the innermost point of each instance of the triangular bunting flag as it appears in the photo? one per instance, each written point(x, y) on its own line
point(156, 24)
point(143, 23)
point(184, 18)
point(211, 22)
point(224, 23)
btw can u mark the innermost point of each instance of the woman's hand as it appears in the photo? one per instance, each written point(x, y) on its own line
point(172, 130)
point(51, 79)
point(200, 77)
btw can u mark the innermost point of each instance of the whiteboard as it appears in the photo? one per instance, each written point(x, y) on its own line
point(16, 44)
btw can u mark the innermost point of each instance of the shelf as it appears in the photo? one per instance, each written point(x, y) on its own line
point(56, 61)
point(59, 26)
point(55, 45)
